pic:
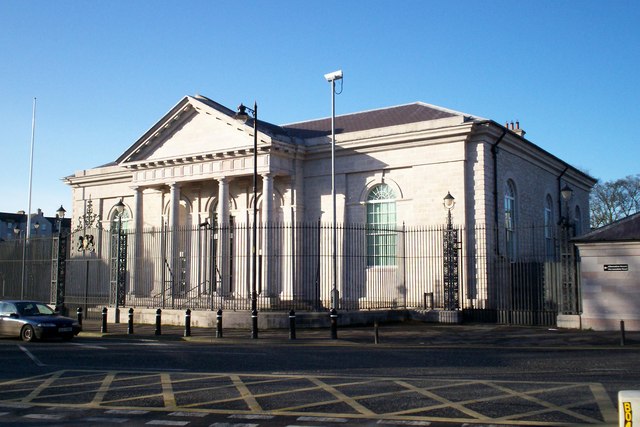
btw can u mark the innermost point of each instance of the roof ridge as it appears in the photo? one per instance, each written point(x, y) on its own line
point(611, 231)
point(449, 110)
point(616, 223)
point(424, 104)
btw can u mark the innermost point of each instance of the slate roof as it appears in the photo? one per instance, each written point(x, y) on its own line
point(392, 116)
point(13, 217)
point(624, 230)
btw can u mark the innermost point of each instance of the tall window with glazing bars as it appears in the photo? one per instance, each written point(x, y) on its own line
point(510, 219)
point(381, 226)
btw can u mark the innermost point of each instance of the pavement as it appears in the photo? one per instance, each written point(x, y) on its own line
point(410, 333)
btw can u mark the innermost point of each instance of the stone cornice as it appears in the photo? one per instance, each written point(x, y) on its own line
point(276, 158)
point(104, 174)
point(530, 152)
point(408, 139)
point(274, 147)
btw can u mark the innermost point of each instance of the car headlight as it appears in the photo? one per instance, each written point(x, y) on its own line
point(47, 325)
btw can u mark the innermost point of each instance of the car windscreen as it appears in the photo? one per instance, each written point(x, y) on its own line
point(33, 309)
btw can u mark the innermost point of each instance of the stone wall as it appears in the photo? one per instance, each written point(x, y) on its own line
point(610, 285)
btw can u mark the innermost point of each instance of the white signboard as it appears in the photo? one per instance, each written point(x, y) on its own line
point(629, 408)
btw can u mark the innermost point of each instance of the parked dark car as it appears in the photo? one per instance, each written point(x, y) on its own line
point(31, 320)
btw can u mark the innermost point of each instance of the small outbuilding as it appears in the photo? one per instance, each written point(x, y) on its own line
point(610, 275)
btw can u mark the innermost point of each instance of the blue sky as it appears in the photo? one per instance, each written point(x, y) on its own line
point(104, 71)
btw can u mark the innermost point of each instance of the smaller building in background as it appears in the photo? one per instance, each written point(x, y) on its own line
point(609, 273)
point(14, 225)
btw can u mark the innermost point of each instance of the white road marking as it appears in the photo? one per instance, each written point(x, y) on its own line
point(188, 414)
point(167, 423)
point(31, 356)
point(234, 425)
point(323, 419)
point(107, 420)
point(89, 346)
point(55, 417)
point(126, 412)
point(252, 416)
point(16, 405)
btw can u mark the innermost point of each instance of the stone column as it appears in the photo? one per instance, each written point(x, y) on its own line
point(223, 275)
point(267, 257)
point(136, 243)
point(174, 223)
point(174, 211)
point(296, 235)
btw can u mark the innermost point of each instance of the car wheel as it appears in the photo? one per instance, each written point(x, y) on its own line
point(27, 333)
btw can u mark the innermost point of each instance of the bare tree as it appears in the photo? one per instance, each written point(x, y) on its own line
point(614, 200)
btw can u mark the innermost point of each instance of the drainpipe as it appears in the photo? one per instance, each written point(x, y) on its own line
point(494, 153)
point(560, 191)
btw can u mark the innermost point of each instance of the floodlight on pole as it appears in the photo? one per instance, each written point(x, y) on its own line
point(332, 78)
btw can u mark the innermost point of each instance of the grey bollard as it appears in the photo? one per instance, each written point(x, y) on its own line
point(333, 314)
point(292, 325)
point(376, 336)
point(103, 329)
point(219, 324)
point(130, 322)
point(187, 323)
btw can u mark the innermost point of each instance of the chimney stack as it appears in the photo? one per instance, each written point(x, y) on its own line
point(515, 127)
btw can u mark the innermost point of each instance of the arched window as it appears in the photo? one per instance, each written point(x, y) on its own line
point(381, 226)
point(118, 268)
point(577, 220)
point(126, 220)
point(548, 226)
point(510, 219)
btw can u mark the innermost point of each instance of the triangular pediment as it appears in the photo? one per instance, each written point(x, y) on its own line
point(193, 128)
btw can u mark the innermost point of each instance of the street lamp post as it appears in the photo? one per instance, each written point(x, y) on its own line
point(243, 116)
point(569, 289)
point(16, 232)
point(451, 285)
point(120, 269)
point(332, 78)
point(59, 269)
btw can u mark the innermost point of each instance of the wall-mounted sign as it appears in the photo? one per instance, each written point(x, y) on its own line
point(616, 267)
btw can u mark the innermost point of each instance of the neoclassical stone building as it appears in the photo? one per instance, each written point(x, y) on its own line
point(393, 167)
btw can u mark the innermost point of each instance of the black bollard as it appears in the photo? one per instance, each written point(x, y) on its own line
point(376, 337)
point(254, 324)
point(219, 324)
point(187, 323)
point(79, 314)
point(333, 314)
point(158, 322)
point(292, 325)
point(623, 339)
point(130, 322)
point(103, 329)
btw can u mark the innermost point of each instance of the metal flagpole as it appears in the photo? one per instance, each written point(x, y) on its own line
point(33, 134)
point(27, 234)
